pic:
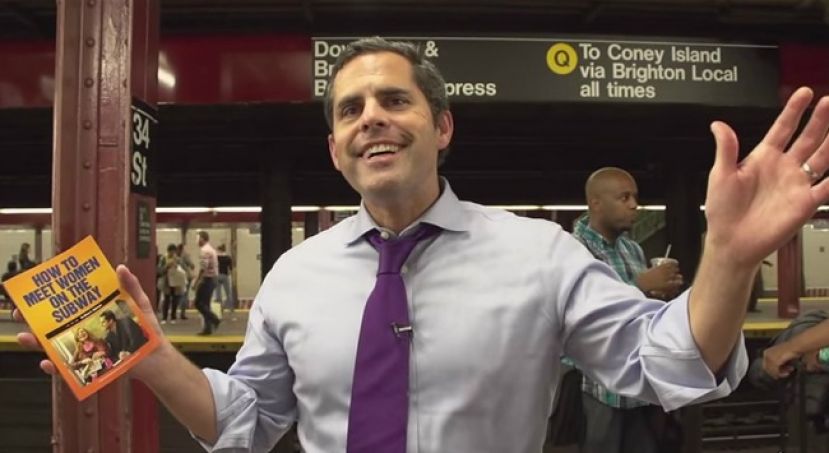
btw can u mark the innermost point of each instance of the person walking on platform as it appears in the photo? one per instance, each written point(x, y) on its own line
point(615, 423)
point(174, 283)
point(206, 283)
point(425, 323)
point(11, 271)
point(23, 257)
point(189, 267)
point(224, 282)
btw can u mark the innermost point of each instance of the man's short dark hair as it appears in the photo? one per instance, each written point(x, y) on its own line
point(204, 236)
point(426, 76)
point(108, 315)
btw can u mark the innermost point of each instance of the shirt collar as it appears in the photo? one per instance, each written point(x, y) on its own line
point(584, 230)
point(447, 212)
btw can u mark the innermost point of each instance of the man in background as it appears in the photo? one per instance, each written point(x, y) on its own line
point(188, 266)
point(23, 258)
point(223, 282)
point(206, 283)
point(123, 335)
point(614, 423)
point(11, 271)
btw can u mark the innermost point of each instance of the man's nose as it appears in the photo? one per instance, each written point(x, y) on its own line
point(374, 116)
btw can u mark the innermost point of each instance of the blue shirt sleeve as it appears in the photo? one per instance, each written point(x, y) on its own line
point(639, 347)
point(254, 402)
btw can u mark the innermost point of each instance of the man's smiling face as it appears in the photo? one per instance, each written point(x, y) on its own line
point(384, 140)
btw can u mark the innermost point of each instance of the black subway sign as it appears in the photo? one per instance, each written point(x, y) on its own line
point(143, 138)
point(589, 70)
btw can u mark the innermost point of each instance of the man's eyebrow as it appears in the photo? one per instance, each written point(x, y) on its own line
point(382, 92)
point(347, 100)
point(392, 91)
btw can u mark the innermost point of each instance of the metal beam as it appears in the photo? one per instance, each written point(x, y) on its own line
point(102, 61)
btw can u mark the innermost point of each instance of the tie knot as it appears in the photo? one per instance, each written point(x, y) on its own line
point(394, 252)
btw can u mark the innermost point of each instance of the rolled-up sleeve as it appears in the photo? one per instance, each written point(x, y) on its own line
point(673, 363)
point(255, 405)
point(636, 346)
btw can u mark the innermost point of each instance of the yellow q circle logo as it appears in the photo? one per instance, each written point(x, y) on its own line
point(562, 58)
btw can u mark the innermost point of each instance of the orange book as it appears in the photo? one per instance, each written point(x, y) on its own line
point(89, 327)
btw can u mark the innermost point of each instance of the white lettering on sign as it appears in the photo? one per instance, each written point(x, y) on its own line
point(138, 169)
point(470, 89)
point(713, 75)
point(141, 140)
point(617, 52)
point(140, 130)
point(322, 49)
point(688, 55)
point(631, 70)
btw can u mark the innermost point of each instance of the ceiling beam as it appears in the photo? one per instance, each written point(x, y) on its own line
point(25, 17)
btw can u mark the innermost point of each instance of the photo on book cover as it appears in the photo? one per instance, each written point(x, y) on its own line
point(88, 326)
point(101, 342)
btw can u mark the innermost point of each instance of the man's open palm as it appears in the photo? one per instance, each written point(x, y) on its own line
point(753, 207)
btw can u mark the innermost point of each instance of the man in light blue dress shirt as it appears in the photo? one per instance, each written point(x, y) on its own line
point(494, 300)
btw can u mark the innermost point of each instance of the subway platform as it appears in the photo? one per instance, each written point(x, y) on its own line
point(747, 421)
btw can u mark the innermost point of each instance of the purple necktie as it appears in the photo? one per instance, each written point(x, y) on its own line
point(379, 409)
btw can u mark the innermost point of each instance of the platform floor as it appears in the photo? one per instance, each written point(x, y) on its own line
point(229, 336)
point(765, 323)
point(217, 351)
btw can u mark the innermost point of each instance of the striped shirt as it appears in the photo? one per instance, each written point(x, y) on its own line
point(625, 256)
point(209, 261)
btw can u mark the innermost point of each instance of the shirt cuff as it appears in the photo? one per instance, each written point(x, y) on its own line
point(674, 366)
point(235, 414)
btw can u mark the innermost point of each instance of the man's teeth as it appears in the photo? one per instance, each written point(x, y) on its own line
point(383, 148)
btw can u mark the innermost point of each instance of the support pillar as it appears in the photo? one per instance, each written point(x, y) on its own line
point(312, 223)
point(683, 219)
point(107, 57)
point(683, 223)
point(789, 277)
point(38, 256)
point(276, 212)
point(234, 255)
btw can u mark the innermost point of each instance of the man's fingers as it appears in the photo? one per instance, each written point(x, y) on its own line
point(48, 367)
point(28, 340)
point(819, 160)
point(813, 135)
point(820, 192)
point(786, 123)
point(129, 282)
point(727, 147)
point(17, 316)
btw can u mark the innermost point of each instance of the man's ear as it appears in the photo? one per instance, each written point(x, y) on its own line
point(593, 203)
point(332, 150)
point(445, 126)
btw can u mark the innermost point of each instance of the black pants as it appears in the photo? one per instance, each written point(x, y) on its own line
point(203, 294)
point(168, 306)
point(646, 429)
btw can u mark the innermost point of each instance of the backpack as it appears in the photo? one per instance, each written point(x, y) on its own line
point(177, 277)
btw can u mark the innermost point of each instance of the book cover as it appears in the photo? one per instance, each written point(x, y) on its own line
point(89, 327)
